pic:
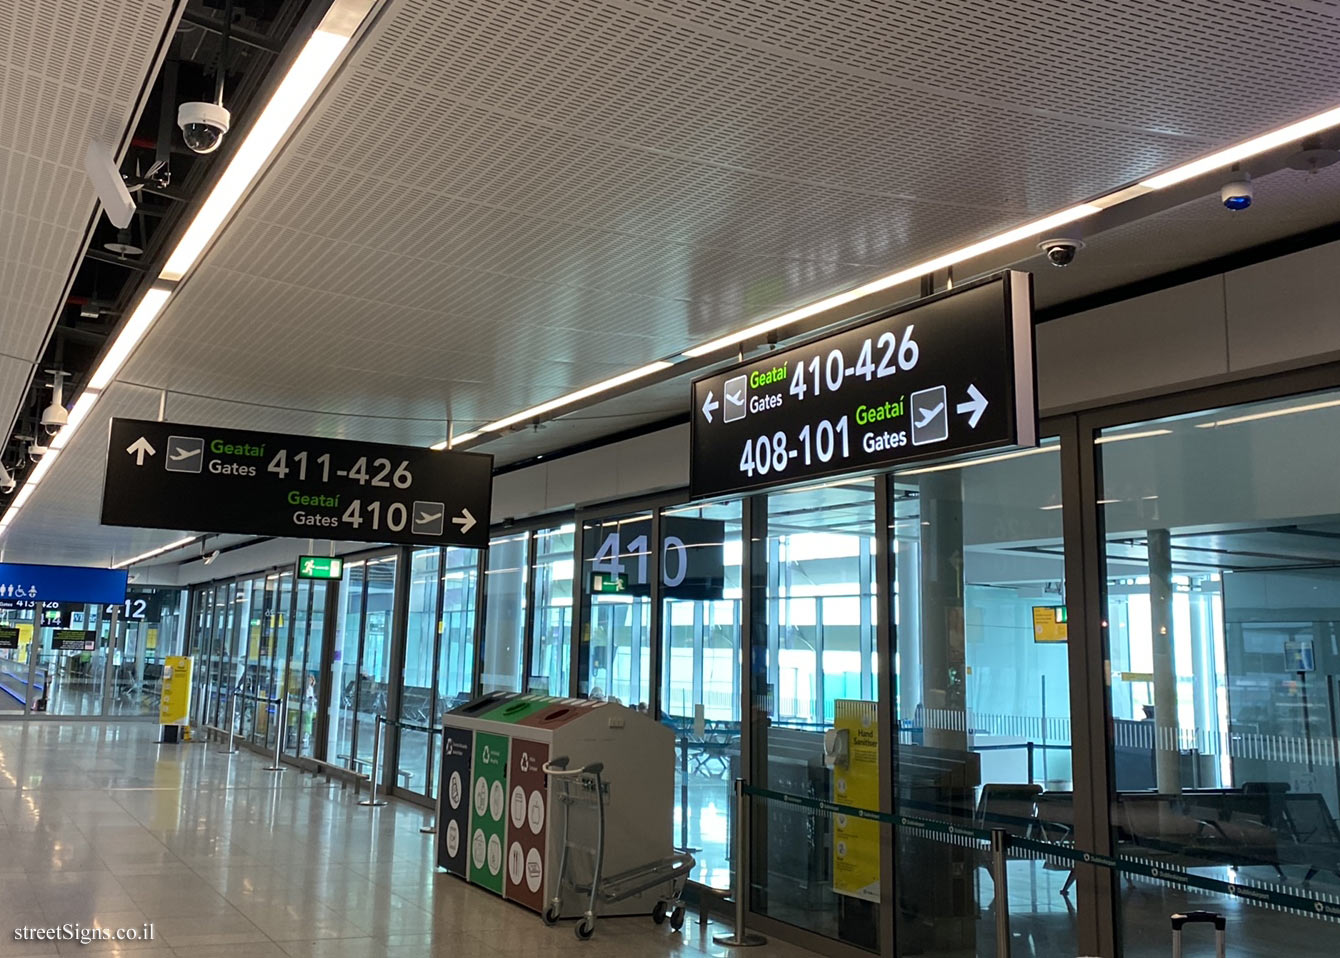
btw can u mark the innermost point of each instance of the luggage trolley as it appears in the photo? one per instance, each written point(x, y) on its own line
point(583, 787)
point(1199, 918)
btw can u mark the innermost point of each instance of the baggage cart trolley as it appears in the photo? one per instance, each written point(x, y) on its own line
point(584, 787)
point(1181, 919)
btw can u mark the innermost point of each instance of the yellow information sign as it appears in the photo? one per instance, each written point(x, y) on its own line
point(1049, 623)
point(856, 782)
point(175, 704)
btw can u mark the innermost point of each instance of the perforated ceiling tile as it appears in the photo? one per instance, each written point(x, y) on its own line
point(1286, 203)
point(495, 202)
point(70, 72)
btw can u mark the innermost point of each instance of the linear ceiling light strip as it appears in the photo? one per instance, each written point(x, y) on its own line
point(306, 75)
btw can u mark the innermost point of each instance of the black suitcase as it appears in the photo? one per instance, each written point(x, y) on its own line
point(1199, 918)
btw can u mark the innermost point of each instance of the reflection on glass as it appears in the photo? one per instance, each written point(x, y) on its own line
point(701, 676)
point(983, 701)
point(615, 656)
point(1222, 584)
point(552, 630)
point(817, 669)
point(344, 666)
point(505, 612)
point(416, 689)
point(374, 672)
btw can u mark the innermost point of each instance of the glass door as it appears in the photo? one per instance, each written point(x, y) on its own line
point(375, 657)
point(551, 631)
point(344, 667)
point(615, 656)
point(414, 755)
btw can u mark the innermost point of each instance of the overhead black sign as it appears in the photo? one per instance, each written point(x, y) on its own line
point(73, 640)
point(952, 374)
point(9, 637)
point(200, 478)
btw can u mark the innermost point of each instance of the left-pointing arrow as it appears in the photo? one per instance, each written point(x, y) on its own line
point(467, 521)
point(710, 404)
point(139, 449)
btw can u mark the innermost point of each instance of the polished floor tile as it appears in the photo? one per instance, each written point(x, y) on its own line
point(102, 826)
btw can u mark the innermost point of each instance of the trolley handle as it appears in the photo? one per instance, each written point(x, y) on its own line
point(559, 767)
point(1198, 918)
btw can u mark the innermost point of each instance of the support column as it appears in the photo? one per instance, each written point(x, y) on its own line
point(943, 662)
point(1167, 759)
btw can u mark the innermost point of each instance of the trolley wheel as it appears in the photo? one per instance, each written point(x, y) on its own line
point(658, 913)
point(550, 915)
point(585, 929)
point(677, 918)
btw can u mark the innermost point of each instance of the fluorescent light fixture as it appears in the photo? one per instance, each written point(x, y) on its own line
point(572, 397)
point(1019, 454)
point(140, 320)
point(43, 467)
point(82, 407)
point(24, 495)
point(1050, 508)
point(1123, 436)
point(980, 248)
point(457, 440)
point(1269, 414)
point(296, 89)
point(156, 552)
point(1245, 150)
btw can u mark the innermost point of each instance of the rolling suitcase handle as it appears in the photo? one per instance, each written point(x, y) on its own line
point(1199, 918)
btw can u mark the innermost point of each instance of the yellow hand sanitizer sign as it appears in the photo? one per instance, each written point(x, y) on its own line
point(174, 706)
point(856, 840)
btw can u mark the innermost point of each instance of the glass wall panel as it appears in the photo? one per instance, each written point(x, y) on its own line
point(344, 666)
point(302, 682)
point(1222, 535)
point(811, 869)
point(505, 612)
point(374, 673)
point(700, 648)
point(616, 644)
point(551, 662)
point(982, 698)
point(416, 690)
point(456, 651)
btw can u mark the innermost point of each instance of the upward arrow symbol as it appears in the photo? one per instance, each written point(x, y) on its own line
point(139, 449)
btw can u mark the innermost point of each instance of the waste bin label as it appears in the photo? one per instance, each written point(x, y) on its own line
point(526, 831)
point(487, 820)
point(457, 755)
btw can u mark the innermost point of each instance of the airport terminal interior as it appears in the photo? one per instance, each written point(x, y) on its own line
point(670, 477)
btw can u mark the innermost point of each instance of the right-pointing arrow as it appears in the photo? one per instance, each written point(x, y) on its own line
point(465, 520)
point(139, 449)
point(710, 404)
point(976, 405)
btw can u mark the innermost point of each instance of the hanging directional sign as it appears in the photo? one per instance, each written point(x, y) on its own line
point(952, 374)
point(21, 582)
point(204, 479)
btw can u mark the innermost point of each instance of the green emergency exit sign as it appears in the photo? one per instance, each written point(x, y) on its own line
point(601, 582)
point(320, 567)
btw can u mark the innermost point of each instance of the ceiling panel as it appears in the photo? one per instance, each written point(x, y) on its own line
point(70, 72)
point(496, 202)
point(1286, 203)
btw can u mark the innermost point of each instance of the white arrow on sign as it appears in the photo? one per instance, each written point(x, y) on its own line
point(976, 405)
point(139, 449)
point(465, 520)
point(709, 404)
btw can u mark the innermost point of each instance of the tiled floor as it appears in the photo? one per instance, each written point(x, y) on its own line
point(99, 824)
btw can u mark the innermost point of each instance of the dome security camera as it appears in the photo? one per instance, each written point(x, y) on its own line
point(203, 125)
point(1061, 250)
point(55, 415)
point(36, 450)
point(7, 482)
point(1237, 194)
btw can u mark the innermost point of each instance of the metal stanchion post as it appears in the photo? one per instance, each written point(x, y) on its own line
point(437, 809)
point(232, 724)
point(279, 735)
point(999, 876)
point(379, 729)
point(741, 938)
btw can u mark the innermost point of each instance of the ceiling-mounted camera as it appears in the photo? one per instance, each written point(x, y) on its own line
point(36, 450)
point(1061, 250)
point(7, 482)
point(203, 125)
point(55, 416)
point(1237, 194)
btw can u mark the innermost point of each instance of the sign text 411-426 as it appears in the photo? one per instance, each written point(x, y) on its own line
point(206, 479)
